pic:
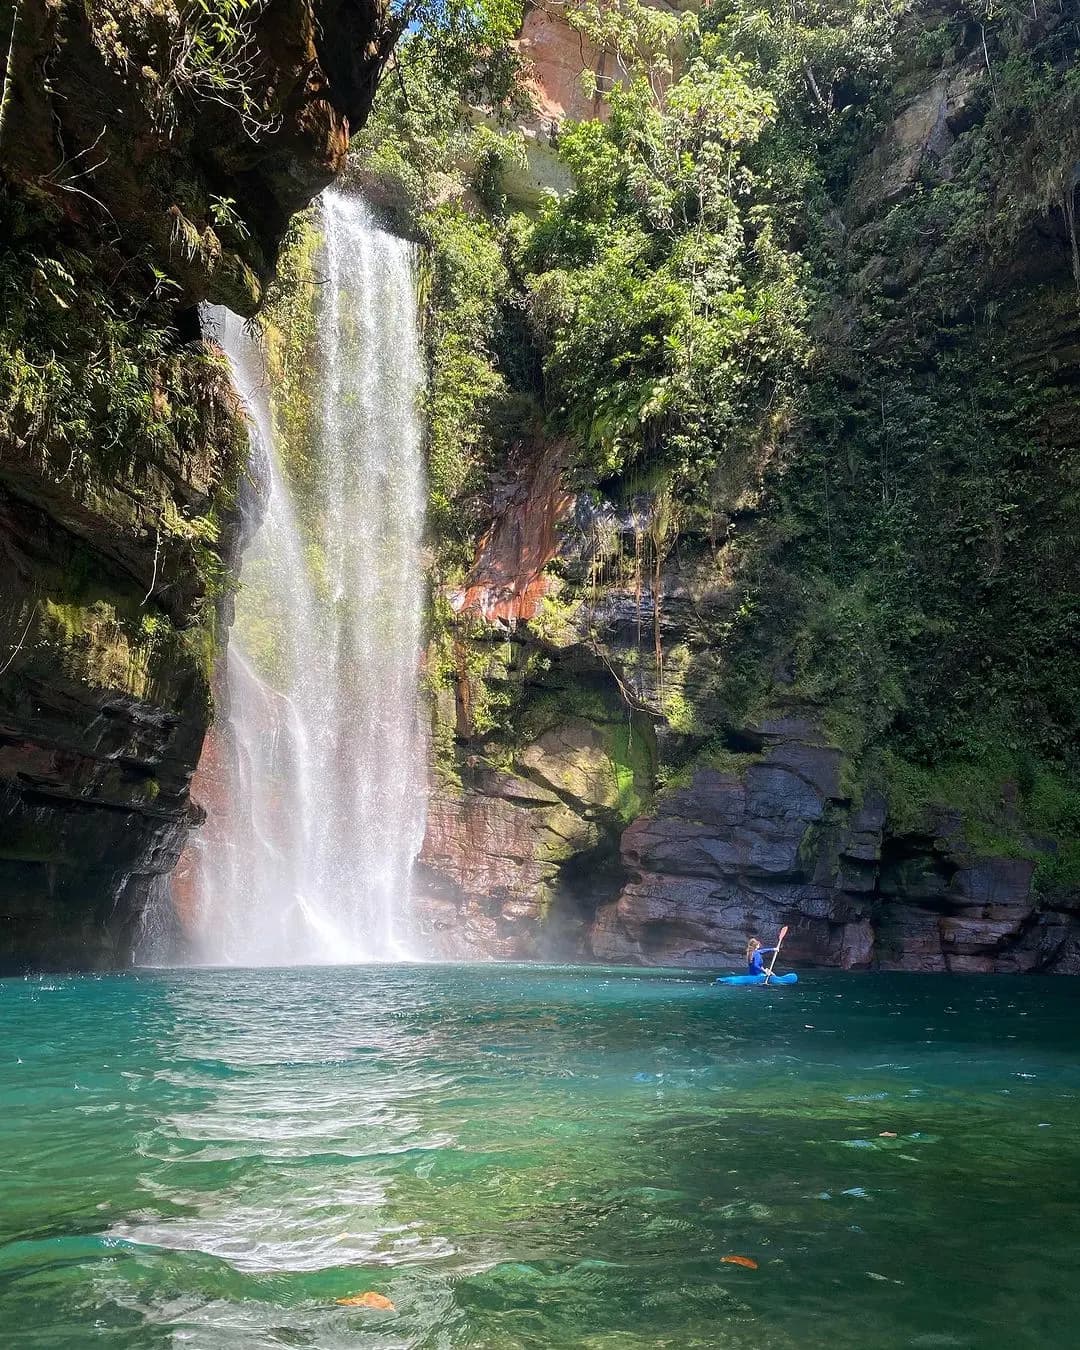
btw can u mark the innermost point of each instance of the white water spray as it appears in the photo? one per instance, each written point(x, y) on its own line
point(307, 855)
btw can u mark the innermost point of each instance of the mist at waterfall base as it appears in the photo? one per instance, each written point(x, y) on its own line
point(318, 813)
point(529, 1158)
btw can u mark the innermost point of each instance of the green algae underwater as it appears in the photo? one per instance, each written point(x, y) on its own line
point(527, 1156)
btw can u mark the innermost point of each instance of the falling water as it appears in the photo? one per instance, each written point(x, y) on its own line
point(318, 809)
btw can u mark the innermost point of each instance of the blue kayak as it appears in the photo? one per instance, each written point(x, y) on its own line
point(789, 978)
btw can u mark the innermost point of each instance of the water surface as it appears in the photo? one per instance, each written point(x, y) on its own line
point(537, 1157)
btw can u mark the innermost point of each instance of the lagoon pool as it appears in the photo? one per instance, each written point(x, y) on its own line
point(528, 1156)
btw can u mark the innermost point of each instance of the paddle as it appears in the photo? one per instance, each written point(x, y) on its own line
point(776, 953)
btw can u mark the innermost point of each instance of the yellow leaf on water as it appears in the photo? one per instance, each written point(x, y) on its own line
point(367, 1300)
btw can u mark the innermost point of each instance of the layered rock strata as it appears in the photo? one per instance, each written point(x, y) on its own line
point(778, 842)
point(518, 854)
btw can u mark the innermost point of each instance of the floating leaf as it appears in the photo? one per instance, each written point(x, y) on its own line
point(367, 1300)
point(740, 1261)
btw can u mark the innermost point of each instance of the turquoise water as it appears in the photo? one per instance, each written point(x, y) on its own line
point(537, 1157)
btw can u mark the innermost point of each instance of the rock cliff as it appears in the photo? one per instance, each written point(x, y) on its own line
point(796, 763)
point(150, 160)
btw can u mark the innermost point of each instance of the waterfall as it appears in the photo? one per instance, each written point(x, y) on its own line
point(317, 812)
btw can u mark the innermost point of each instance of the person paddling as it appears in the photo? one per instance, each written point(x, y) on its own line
point(757, 975)
point(755, 952)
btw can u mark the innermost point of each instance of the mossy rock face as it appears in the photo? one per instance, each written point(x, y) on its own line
point(563, 834)
point(523, 840)
point(123, 449)
point(601, 767)
point(891, 549)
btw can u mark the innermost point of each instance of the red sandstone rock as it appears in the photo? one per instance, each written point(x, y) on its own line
point(507, 580)
point(559, 57)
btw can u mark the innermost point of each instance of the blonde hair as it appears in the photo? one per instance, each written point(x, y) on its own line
point(751, 947)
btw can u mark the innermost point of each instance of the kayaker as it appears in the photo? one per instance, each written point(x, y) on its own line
point(755, 952)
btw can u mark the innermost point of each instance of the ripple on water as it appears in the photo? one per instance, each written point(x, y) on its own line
point(521, 1156)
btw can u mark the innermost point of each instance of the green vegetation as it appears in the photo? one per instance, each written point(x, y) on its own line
point(925, 539)
point(437, 170)
point(1010, 804)
point(667, 315)
point(118, 366)
point(117, 424)
point(97, 395)
point(288, 329)
point(469, 278)
point(204, 49)
point(796, 344)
